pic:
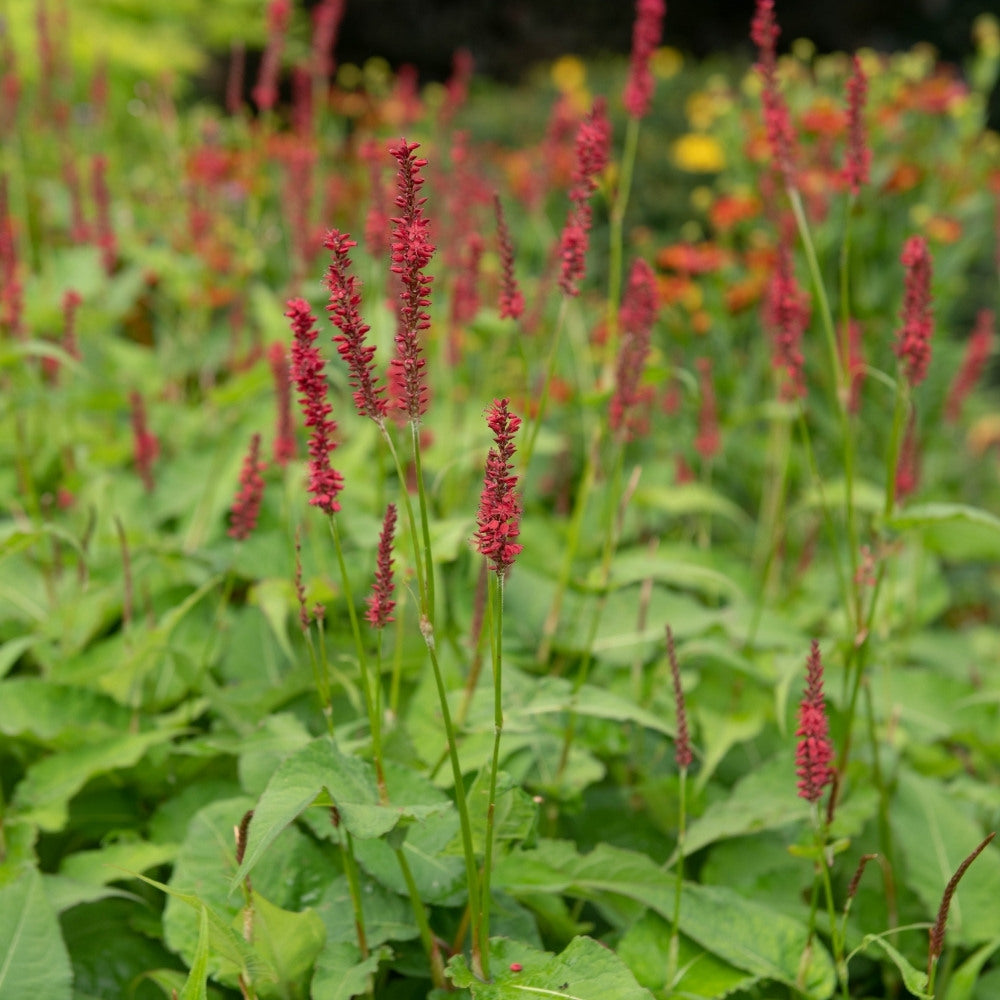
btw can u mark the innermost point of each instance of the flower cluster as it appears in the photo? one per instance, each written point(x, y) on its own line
point(284, 435)
point(246, 506)
point(638, 313)
point(146, 446)
point(593, 150)
point(511, 299)
point(499, 507)
point(411, 252)
point(708, 440)
point(786, 314)
point(380, 601)
point(308, 375)
point(647, 30)
point(265, 92)
point(913, 340)
point(764, 33)
point(682, 741)
point(815, 752)
point(977, 353)
point(345, 297)
point(859, 156)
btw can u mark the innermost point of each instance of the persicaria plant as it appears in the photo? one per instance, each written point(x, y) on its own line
point(496, 542)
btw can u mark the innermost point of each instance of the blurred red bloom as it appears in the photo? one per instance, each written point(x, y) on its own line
point(815, 752)
point(913, 339)
point(246, 506)
point(977, 353)
point(647, 30)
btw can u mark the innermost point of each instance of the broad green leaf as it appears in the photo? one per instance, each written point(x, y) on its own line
point(957, 531)
point(113, 862)
point(43, 795)
point(913, 979)
point(387, 915)
point(755, 938)
point(585, 970)
point(66, 893)
point(341, 973)
point(935, 835)
point(922, 515)
point(962, 982)
point(765, 799)
point(645, 948)
point(287, 942)
point(720, 732)
point(514, 811)
point(689, 498)
point(33, 957)
point(302, 778)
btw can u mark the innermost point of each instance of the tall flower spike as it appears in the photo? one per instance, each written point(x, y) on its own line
point(499, 507)
point(682, 742)
point(511, 299)
point(707, 440)
point(246, 507)
point(284, 434)
point(815, 752)
point(146, 445)
point(380, 601)
point(345, 297)
point(638, 313)
point(913, 340)
point(309, 377)
point(411, 253)
point(977, 353)
point(647, 30)
point(265, 92)
point(764, 33)
point(786, 312)
point(859, 156)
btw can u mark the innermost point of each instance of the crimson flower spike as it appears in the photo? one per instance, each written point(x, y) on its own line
point(913, 339)
point(647, 30)
point(638, 313)
point(786, 313)
point(284, 435)
point(246, 507)
point(499, 507)
point(411, 252)
point(764, 33)
point(345, 297)
point(977, 354)
point(682, 742)
point(815, 752)
point(380, 602)
point(859, 156)
point(511, 299)
point(146, 445)
point(309, 377)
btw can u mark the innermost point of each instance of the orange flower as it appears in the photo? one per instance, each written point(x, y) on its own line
point(691, 258)
point(732, 209)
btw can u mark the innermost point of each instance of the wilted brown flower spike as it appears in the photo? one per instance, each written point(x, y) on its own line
point(682, 742)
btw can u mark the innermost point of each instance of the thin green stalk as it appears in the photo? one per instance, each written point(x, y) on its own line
point(674, 947)
point(354, 890)
point(496, 644)
point(428, 596)
point(423, 924)
point(543, 399)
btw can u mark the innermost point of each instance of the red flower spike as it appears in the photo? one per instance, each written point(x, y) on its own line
point(284, 435)
point(511, 299)
point(647, 30)
point(380, 602)
point(638, 314)
point(345, 297)
point(146, 445)
point(977, 353)
point(908, 465)
point(265, 92)
point(308, 375)
point(815, 752)
point(786, 313)
point(326, 18)
point(499, 507)
point(708, 440)
point(913, 340)
point(246, 507)
point(411, 253)
point(859, 156)
point(764, 33)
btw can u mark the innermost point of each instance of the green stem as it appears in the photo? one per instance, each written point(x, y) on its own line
point(423, 924)
point(496, 636)
point(672, 953)
point(543, 399)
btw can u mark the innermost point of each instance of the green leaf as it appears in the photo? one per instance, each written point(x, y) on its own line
point(33, 958)
point(936, 835)
point(747, 935)
point(913, 979)
point(287, 942)
point(957, 531)
point(113, 862)
point(765, 799)
point(585, 970)
point(962, 982)
point(689, 498)
point(58, 714)
point(298, 783)
point(342, 974)
point(195, 986)
point(43, 795)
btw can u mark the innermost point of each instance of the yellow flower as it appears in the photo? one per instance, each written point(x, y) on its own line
point(569, 74)
point(666, 62)
point(698, 154)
